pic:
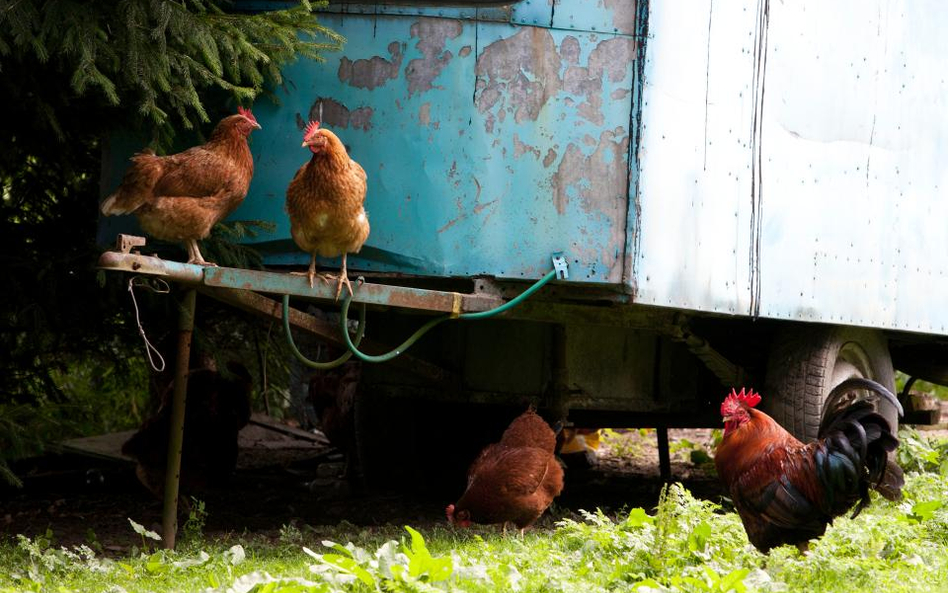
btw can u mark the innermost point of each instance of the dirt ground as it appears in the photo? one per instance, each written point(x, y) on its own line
point(281, 480)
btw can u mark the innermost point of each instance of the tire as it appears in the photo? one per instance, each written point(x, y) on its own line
point(806, 362)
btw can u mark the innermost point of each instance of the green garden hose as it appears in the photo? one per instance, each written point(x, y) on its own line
point(353, 347)
point(323, 365)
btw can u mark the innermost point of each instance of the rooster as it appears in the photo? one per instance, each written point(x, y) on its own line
point(179, 197)
point(514, 480)
point(325, 202)
point(786, 492)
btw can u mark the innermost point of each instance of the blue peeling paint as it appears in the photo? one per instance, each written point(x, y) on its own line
point(469, 174)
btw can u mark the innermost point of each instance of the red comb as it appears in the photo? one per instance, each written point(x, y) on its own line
point(246, 113)
point(748, 397)
point(312, 127)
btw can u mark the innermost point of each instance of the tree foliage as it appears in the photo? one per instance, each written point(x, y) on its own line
point(158, 56)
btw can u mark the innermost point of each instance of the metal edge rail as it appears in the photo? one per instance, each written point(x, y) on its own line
point(284, 283)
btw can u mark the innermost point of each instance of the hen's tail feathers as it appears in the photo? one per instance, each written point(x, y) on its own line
point(857, 442)
point(136, 187)
point(529, 430)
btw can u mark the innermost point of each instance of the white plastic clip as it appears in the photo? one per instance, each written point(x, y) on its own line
point(561, 266)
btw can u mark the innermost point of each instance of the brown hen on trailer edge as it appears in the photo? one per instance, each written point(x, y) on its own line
point(180, 197)
point(325, 202)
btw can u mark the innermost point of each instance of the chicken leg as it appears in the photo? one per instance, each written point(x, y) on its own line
point(343, 279)
point(194, 254)
point(311, 273)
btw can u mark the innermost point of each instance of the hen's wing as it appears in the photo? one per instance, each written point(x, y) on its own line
point(486, 459)
point(195, 173)
point(516, 471)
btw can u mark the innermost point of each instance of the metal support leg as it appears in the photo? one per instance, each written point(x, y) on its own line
point(559, 402)
point(169, 518)
point(664, 457)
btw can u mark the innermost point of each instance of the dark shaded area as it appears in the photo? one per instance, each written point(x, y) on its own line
point(272, 487)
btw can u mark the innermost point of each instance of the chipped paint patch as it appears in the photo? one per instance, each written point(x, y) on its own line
point(623, 15)
point(464, 51)
point(520, 148)
point(432, 36)
point(550, 158)
point(594, 179)
point(361, 118)
point(333, 114)
point(610, 58)
point(424, 114)
point(520, 73)
point(374, 72)
point(329, 112)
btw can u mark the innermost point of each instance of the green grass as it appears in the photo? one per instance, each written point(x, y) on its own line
point(684, 545)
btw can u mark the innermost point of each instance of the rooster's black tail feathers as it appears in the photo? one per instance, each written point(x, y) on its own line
point(857, 443)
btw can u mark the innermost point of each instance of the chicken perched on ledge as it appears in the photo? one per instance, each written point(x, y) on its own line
point(180, 197)
point(786, 492)
point(514, 480)
point(325, 202)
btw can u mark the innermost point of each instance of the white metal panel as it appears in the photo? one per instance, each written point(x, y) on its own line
point(695, 154)
point(855, 132)
point(790, 162)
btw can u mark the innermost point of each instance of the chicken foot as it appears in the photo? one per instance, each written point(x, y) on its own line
point(194, 254)
point(326, 276)
point(311, 273)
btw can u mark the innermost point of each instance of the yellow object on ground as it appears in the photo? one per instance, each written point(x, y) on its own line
point(579, 440)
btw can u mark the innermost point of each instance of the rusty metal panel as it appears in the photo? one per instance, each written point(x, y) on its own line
point(487, 146)
point(790, 163)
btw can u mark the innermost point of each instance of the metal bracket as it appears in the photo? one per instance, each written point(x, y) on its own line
point(124, 243)
point(561, 266)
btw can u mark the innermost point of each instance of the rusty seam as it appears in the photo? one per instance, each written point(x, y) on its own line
point(634, 208)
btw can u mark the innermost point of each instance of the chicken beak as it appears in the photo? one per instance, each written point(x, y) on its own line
point(304, 145)
point(258, 126)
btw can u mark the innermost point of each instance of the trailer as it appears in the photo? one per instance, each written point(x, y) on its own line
point(742, 193)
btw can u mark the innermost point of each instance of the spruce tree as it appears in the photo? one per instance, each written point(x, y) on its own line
point(157, 57)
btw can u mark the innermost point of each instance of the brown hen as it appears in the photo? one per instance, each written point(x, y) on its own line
point(514, 480)
point(325, 202)
point(180, 197)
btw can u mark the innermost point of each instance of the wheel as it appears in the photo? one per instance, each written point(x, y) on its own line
point(806, 362)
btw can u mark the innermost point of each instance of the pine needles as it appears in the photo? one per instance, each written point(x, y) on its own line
point(161, 56)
